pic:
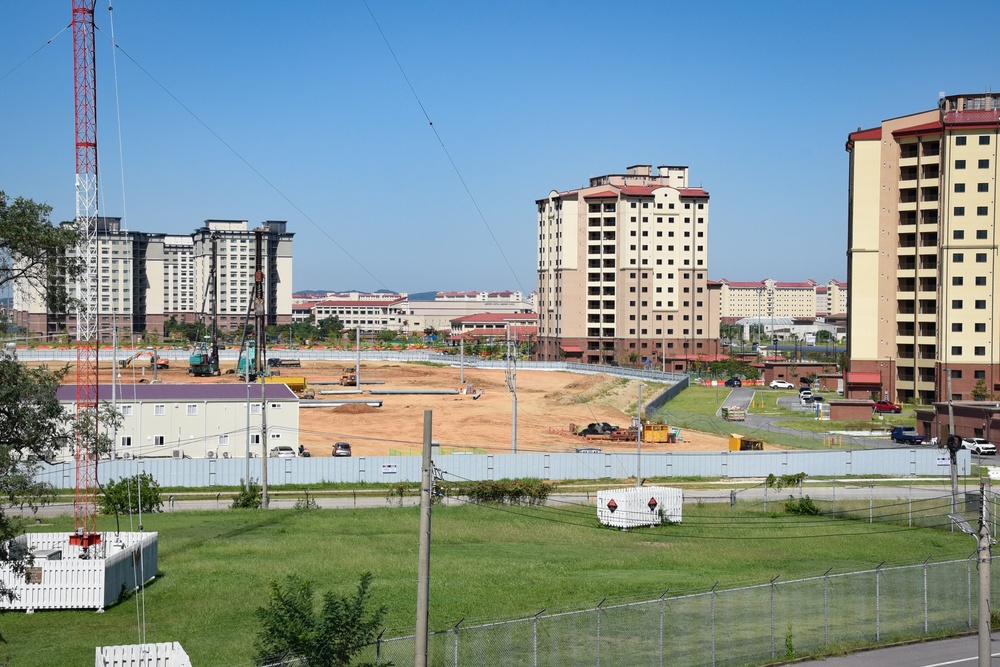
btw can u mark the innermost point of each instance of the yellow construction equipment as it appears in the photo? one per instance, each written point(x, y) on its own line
point(741, 443)
point(155, 360)
point(349, 378)
point(296, 384)
point(656, 433)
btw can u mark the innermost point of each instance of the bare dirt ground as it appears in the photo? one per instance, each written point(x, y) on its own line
point(547, 403)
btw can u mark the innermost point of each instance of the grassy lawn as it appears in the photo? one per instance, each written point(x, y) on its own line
point(487, 563)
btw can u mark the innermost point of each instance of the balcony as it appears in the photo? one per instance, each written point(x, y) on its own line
point(908, 217)
point(907, 195)
point(904, 307)
point(904, 329)
point(929, 217)
point(929, 194)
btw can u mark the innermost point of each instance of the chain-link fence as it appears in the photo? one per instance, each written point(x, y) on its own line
point(740, 626)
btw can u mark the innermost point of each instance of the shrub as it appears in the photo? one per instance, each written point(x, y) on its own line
point(506, 491)
point(804, 506)
point(125, 495)
point(249, 497)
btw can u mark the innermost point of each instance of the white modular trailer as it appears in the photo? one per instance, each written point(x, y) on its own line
point(164, 654)
point(642, 506)
point(64, 576)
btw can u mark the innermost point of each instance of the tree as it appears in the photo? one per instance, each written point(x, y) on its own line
point(138, 493)
point(33, 425)
point(292, 628)
point(980, 392)
point(33, 251)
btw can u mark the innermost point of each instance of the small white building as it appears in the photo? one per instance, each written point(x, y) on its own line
point(196, 420)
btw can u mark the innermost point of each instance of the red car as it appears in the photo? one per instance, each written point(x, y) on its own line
point(887, 406)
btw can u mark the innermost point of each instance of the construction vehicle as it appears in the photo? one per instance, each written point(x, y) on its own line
point(204, 359)
point(247, 364)
point(296, 384)
point(741, 443)
point(349, 378)
point(155, 360)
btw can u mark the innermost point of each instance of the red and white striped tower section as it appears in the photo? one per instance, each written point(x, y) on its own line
point(85, 98)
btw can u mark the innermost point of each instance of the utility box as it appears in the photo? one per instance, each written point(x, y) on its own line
point(642, 506)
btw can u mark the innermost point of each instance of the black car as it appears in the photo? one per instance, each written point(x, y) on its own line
point(734, 382)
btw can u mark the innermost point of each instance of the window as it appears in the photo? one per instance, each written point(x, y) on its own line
point(956, 349)
point(956, 327)
point(984, 140)
point(959, 211)
point(958, 257)
point(958, 234)
point(126, 410)
point(980, 304)
point(982, 210)
point(959, 164)
point(275, 406)
point(980, 281)
point(980, 351)
point(126, 441)
point(255, 438)
point(956, 304)
point(275, 436)
point(158, 440)
point(959, 187)
point(159, 410)
point(980, 257)
point(956, 280)
point(979, 375)
point(960, 141)
point(983, 187)
point(984, 164)
point(224, 440)
point(192, 409)
point(980, 327)
point(255, 408)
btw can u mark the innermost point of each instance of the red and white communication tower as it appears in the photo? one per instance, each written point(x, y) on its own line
point(85, 98)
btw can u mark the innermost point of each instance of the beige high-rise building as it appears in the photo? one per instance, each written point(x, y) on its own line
point(146, 279)
point(622, 266)
point(922, 252)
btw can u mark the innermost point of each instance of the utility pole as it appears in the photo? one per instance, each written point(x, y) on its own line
point(258, 308)
point(461, 360)
point(357, 361)
point(638, 440)
point(953, 446)
point(985, 562)
point(512, 388)
point(424, 563)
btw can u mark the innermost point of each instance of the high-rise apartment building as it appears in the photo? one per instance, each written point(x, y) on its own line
point(146, 279)
point(622, 266)
point(773, 298)
point(922, 252)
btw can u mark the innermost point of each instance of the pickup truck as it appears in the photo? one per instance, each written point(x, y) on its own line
point(276, 361)
point(907, 435)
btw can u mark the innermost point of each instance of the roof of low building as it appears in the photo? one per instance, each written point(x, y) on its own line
point(182, 392)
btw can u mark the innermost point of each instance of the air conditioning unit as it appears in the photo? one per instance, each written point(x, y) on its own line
point(127, 455)
point(210, 454)
point(225, 455)
point(178, 453)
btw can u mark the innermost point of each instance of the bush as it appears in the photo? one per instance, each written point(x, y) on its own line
point(124, 496)
point(249, 497)
point(506, 491)
point(306, 503)
point(803, 506)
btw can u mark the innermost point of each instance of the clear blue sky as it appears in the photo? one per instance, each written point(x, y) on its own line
point(756, 98)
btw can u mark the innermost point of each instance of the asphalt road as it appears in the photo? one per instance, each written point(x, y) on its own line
point(942, 653)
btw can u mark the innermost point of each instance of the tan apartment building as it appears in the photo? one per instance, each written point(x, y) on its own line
point(774, 298)
point(148, 278)
point(922, 241)
point(622, 270)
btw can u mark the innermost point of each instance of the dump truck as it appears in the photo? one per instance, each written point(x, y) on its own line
point(734, 414)
point(741, 443)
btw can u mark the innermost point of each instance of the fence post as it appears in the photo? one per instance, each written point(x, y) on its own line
point(772, 614)
point(871, 503)
point(378, 647)
point(713, 623)
point(826, 608)
point(455, 663)
point(599, 632)
point(968, 566)
point(909, 507)
point(878, 602)
point(534, 638)
point(926, 610)
point(663, 610)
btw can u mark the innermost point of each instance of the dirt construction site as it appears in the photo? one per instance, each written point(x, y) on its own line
point(477, 420)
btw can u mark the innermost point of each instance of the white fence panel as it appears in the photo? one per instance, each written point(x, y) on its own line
point(646, 506)
point(166, 654)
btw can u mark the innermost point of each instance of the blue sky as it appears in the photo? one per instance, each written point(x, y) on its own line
point(756, 98)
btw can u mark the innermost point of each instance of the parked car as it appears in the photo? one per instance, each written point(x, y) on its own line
point(734, 382)
point(342, 449)
point(979, 445)
point(806, 396)
point(282, 452)
point(781, 384)
point(887, 406)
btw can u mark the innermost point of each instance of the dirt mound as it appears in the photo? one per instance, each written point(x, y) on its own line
point(354, 409)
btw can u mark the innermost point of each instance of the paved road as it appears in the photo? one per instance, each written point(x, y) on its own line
point(946, 652)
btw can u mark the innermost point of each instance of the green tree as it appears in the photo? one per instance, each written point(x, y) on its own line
point(980, 392)
point(386, 335)
point(291, 626)
point(33, 425)
point(131, 495)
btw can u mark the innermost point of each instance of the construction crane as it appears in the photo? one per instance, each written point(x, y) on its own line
point(204, 359)
point(85, 104)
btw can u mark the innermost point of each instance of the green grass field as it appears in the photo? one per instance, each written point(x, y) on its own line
point(487, 563)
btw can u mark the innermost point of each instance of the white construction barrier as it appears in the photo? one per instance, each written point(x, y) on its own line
point(64, 576)
point(166, 654)
point(642, 506)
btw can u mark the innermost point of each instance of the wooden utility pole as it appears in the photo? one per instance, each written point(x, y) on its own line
point(984, 562)
point(424, 563)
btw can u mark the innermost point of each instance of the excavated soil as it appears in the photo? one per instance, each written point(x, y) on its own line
point(548, 403)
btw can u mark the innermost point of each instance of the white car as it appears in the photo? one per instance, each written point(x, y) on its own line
point(979, 445)
point(806, 396)
point(781, 384)
point(282, 452)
